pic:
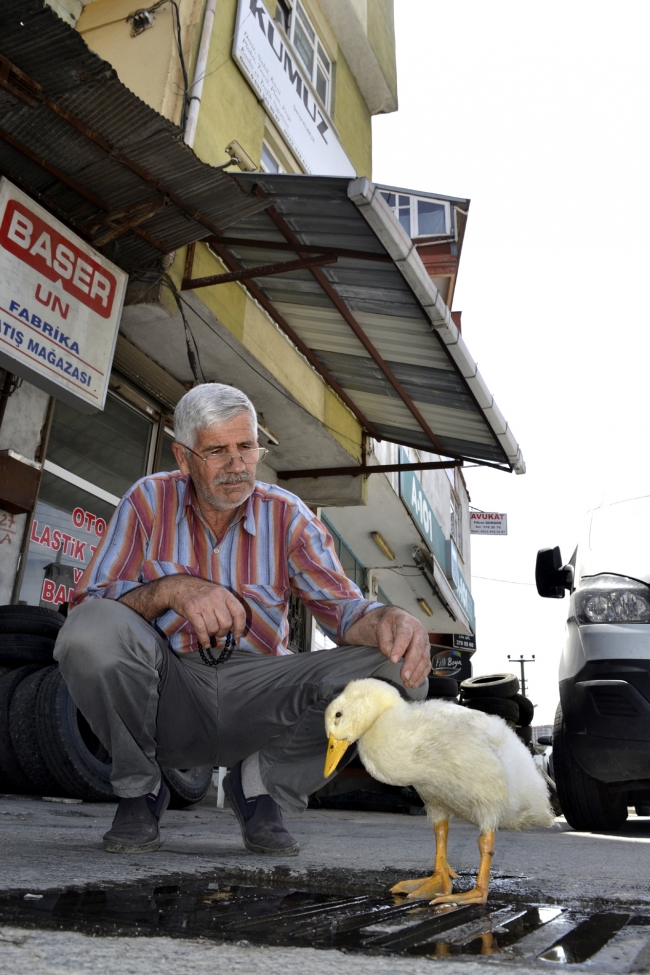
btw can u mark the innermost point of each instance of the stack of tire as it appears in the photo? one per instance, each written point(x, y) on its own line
point(499, 694)
point(47, 747)
point(442, 687)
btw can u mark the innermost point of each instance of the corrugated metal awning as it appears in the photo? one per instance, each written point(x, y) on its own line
point(79, 142)
point(373, 323)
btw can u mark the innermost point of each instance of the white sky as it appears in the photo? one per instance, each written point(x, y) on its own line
point(538, 114)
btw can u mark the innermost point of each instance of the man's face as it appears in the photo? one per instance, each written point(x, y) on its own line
point(227, 487)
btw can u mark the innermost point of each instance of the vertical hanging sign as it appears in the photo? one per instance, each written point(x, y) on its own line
point(60, 304)
point(275, 73)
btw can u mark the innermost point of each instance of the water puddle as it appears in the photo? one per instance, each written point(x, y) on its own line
point(369, 923)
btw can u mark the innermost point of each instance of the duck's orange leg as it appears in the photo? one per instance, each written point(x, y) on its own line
point(440, 880)
point(478, 894)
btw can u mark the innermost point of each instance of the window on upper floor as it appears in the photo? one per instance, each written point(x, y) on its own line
point(308, 46)
point(269, 163)
point(420, 216)
point(456, 519)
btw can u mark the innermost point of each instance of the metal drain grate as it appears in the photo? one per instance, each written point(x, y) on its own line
point(364, 923)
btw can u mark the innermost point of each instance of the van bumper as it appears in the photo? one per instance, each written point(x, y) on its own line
point(606, 709)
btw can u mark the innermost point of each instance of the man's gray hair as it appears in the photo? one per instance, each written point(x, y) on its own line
point(207, 404)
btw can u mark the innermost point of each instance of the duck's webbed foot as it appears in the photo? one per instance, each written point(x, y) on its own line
point(478, 894)
point(438, 883)
point(440, 880)
point(473, 896)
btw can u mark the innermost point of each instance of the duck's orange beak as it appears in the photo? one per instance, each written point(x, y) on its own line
point(336, 749)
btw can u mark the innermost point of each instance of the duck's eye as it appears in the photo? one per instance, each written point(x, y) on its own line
point(339, 714)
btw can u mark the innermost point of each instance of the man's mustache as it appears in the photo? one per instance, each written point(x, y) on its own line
point(241, 477)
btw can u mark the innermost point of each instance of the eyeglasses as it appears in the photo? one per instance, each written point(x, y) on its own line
point(216, 462)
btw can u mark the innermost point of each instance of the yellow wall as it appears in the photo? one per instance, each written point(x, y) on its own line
point(381, 37)
point(147, 64)
point(229, 107)
point(352, 118)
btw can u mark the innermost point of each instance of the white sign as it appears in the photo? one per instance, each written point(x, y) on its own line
point(275, 73)
point(60, 304)
point(487, 523)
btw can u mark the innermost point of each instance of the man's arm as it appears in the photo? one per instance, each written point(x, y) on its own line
point(211, 610)
point(319, 580)
point(399, 636)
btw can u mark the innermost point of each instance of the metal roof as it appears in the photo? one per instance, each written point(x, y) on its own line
point(87, 148)
point(373, 323)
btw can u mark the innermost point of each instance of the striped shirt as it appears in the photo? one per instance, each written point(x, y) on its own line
point(275, 547)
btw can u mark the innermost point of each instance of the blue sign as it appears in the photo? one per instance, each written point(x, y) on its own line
point(421, 511)
point(413, 496)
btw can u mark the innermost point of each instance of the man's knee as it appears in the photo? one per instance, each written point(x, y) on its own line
point(96, 635)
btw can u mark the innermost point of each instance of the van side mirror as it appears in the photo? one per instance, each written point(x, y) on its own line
point(551, 577)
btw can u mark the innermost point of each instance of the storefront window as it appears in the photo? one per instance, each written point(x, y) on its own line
point(167, 459)
point(108, 449)
point(68, 523)
point(92, 460)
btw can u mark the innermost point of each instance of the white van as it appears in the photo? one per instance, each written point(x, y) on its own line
point(601, 737)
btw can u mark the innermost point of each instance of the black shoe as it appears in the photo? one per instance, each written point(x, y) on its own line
point(136, 828)
point(260, 819)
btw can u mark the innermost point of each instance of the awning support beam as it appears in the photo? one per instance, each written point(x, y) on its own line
point(364, 469)
point(264, 270)
point(277, 245)
point(349, 318)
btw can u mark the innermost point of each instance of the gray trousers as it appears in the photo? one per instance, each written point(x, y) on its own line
point(151, 707)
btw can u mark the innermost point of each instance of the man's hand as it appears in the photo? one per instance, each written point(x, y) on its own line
point(211, 610)
point(399, 636)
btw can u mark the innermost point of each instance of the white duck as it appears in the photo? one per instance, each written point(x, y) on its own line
point(462, 762)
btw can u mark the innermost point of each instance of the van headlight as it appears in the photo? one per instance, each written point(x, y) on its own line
point(612, 599)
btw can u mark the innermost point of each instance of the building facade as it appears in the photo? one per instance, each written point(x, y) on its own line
point(344, 338)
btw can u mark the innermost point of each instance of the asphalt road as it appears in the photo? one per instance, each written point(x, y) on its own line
point(55, 845)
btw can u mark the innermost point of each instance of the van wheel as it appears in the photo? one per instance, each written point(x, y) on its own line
point(588, 805)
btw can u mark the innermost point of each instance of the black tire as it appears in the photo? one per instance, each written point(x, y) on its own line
point(490, 685)
point(31, 620)
point(442, 687)
point(12, 777)
point(526, 710)
point(503, 707)
point(16, 648)
point(74, 755)
point(22, 730)
point(588, 805)
point(187, 786)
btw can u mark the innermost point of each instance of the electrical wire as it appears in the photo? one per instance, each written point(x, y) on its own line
point(193, 356)
point(139, 26)
point(510, 582)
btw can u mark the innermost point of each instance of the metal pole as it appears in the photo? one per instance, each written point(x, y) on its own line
point(522, 663)
point(196, 89)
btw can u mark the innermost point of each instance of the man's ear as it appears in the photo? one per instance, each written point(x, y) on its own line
point(181, 458)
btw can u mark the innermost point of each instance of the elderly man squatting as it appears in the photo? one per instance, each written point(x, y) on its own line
point(188, 558)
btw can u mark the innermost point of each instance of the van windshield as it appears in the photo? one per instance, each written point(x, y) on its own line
point(619, 539)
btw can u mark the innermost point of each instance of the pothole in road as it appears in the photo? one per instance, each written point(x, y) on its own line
point(368, 923)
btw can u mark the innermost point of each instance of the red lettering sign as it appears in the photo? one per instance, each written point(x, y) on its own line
point(27, 236)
